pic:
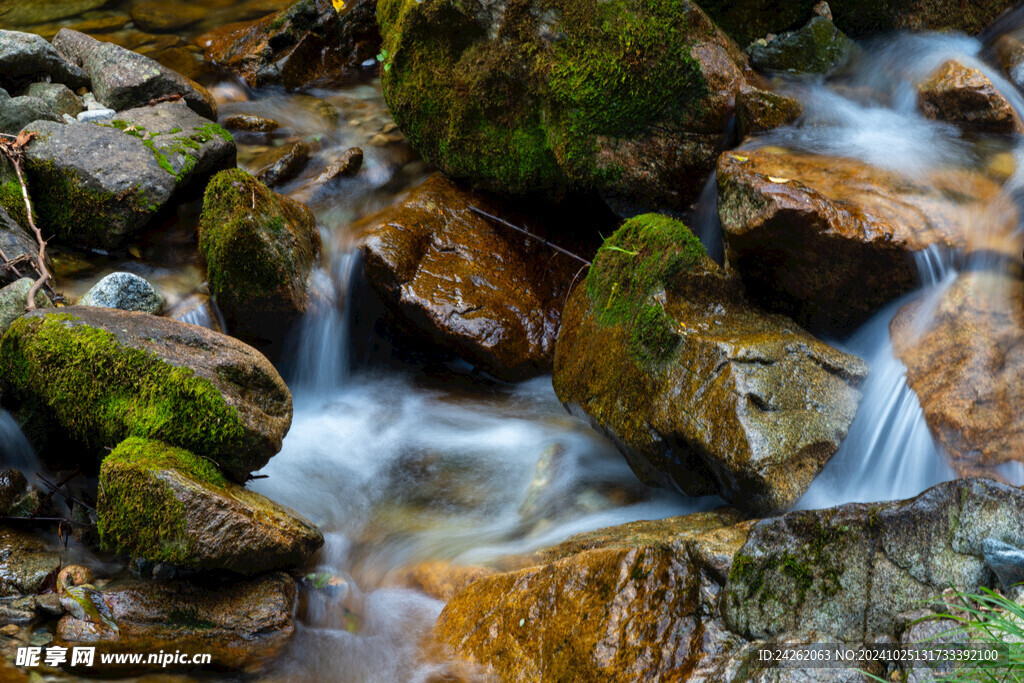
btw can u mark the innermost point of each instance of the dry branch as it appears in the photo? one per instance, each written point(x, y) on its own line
point(14, 152)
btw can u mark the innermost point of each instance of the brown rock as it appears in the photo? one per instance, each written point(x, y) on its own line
point(758, 110)
point(282, 164)
point(165, 16)
point(12, 485)
point(966, 97)
point(1010, 53)
point(443, 580)
point(25, 563)
point(251, 124)
point(828, 241)
point(348, 164)
point(463, 283)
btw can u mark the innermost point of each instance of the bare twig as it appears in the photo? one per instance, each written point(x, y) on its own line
point(14, 153)
point(57, 488)
point(529, 234)
point(62, 520)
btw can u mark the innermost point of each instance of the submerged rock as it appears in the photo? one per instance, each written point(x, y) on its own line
point(14, 299)
point(165, 504)
point(125, 291)
point(25, 563)
point(97, 376)
point(828, 241)
point(165, 16)
point(818, 47)
point(848, 572)
point(535, 96)
point(967, 97)
point(348, 164)
point(19, 13)
point(283, 164)
point(26, 57)
point(251, 123)
point(700, 391)
point(465, 284)
point(259, 248)
point(242, 624)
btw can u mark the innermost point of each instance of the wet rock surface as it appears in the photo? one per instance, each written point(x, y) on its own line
point(700, 391)
point(966, 97)
point(25, 563)
point(284, 164)
point(758, 111)
point(818, 47)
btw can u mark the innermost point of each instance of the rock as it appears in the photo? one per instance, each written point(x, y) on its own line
point(122, 79)
point(18, 112)
point(966, 97)
point(283, 164)
point(12, 485)
point(537, 96)
point(251, 124)
point(1005, 560)
point(25, 563)
point(700, 391)
point(165, 504)
point(848, 572)
point(625, 606)
point(348, 164)
point(828, 241)
point(758, 111)
point(459, 281)
point(19, 13)
point(242, 624)
point(125, 291)
point(96, 186)
point(1010, 54)
point(443, 580)
point(161, 379)
point(58, 96)
point(26, 57)
point(14, 299)
point(964, 362)
point(818, 47)
point(165, 16)
point(15, 243)
point(304, 43)
point(259, 248)
point(95, 115)
point(73, 575)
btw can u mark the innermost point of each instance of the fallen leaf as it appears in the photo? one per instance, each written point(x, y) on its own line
point(780, 181)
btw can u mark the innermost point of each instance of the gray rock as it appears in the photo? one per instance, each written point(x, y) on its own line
point(14, 298)
point(1005, 560)
point(18, 112)
point(58, 96)
point(25, 562)
point(95, 186)
point(27, 57)
point(818, 47)
point(16, 245)
point(125, 291)
point(96, 115)
point(122, 79)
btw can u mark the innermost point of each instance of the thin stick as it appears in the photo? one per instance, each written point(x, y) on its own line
point(54, 488)
point(529, 234)
point(13, 152)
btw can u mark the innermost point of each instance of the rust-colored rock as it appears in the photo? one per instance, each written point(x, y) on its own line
point(828, 241)
point(443, 580)
point(465, 283)
point(758, 110)
point(967, 97)
point(965, 361)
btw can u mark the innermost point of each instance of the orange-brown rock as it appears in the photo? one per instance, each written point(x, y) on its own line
point(828, 241)
point(965, 360)
point(443, 580)
point(967, 97)
point(759, 110)
point(466, 283)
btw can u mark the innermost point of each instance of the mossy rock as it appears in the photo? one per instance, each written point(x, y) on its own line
point(14, 299)
point(546, 96)
point(259, 248)
point(700, 391)
point(81, 380)
point(818, 47)
point(166, 504)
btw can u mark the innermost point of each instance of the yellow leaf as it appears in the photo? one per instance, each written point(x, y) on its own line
point(338, 5)
point(737, 157)
point(780, 181)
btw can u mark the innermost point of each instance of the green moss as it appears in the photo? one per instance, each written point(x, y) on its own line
point(13, 202)
point(189, 618)
point(653, 336)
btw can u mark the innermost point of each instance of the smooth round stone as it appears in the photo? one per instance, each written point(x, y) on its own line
point(125, 291)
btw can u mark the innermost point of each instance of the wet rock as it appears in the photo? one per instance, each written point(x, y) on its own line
point(700, 391)
point(818, 47)
point(167, 505)
point(26, 57)
point(283, 164)
point(348, 164)
point(251, 124)
point(964, 362)
point(535, 96)
point(19, 249)
point(758, 111)
point(165, 16)
point(306, 42)
point(96, 186)
point(828, 241)
point(73, 575)
point(444, 580)
point(14, 299)
point(18, 112)
point(18, 13)
point(259, 248)
point(161, 379)
point(1010, 53)
point(58, 96)
point(623, 605)
point(966, 97)
point(1005, 560)
point(125, 291)
point(242, 624)
point(848, 572)
point(25, 563)
point(462, 283)
point(122, 79)
point(12, 485)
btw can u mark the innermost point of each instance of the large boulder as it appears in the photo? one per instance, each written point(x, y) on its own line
point(122, 79)
point(849, 572)
point(26, 58)
point(700, 391)
point(465, 283)
point(828, 241)
point(241, 624)
point(96, 186)
point(965, 96)
point(25, 563)
point(259, 248)
point(165, 504)
point(965, 361)
point(632, 100)
point(100, 375)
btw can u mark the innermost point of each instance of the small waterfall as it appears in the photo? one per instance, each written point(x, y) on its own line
point(704, 221)
point(15, 450)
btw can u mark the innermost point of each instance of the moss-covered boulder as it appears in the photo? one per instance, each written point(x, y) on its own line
point(259, 248)
point(96, 376)
point(700, 391)
point(818, 47)
point(629, 99)
point(848, 572)
point(166, 504)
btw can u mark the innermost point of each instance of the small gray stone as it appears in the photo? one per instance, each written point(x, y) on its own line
point(14, 298)
point(94, 115)
point(1006, 561)
point(125, 291)
point(58, 96)
point(26, 57)
point(18, 112)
